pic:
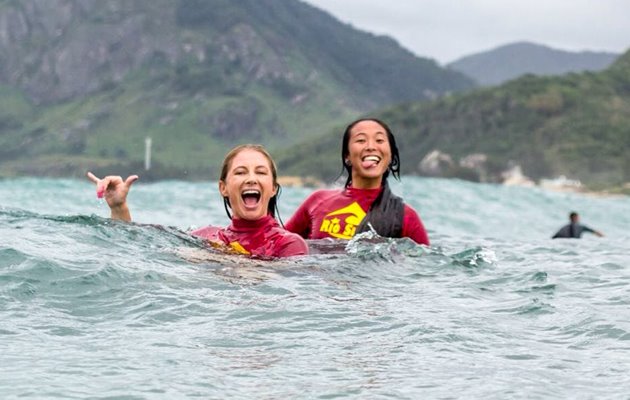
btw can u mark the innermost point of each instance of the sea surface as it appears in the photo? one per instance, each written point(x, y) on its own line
point(493, 309)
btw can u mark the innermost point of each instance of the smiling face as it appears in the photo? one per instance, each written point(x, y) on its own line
point(248, 182)
point(369, 154)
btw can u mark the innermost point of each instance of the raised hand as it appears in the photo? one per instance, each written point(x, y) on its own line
point(115, 191)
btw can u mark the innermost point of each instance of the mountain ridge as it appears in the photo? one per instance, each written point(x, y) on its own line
point(509, 61)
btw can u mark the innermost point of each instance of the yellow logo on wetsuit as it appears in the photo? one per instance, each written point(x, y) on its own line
point(350, 216)
point(239, 248)
point(235, 247)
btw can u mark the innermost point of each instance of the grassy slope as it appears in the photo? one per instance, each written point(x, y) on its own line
point(121, 119)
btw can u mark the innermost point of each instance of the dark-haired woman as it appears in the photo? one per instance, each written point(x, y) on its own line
point(249, 187)
point(369, 153)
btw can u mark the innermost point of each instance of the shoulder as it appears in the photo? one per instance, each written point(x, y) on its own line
point(411, 219)
point(324, 194)
point(290, 244)
point(563, 231)
point(321, 196)
point(293, 237)
point(410, 212)
point(413, 226)
point(207, 232)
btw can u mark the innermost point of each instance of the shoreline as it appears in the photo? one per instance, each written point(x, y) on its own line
point(311, 182)
point(605, 193)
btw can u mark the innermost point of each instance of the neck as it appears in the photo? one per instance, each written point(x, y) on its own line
point(241, 222)
point(366, 183)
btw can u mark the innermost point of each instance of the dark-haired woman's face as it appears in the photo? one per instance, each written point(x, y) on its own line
point(369, 154)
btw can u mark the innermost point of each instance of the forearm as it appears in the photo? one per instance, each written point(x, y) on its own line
point(121, 213)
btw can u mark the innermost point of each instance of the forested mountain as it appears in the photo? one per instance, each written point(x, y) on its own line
point(510, 61)
point(83, 82)
point(577, 125)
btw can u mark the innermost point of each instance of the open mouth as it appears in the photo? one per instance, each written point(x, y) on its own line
point(370, 161)
point(250, 197)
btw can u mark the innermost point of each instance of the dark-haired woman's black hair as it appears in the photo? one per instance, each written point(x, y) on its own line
point(394, 165)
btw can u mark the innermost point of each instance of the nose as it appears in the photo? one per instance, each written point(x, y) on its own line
point(251, 178)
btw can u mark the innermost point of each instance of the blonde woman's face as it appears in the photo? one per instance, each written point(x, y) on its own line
point(249, 185)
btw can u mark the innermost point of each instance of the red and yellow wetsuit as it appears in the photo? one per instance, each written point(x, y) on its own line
point(337, 213)
point(261, 238)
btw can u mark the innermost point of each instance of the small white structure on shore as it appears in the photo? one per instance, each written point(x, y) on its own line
point(561, 182)
point(515, 177)
point(147, 153)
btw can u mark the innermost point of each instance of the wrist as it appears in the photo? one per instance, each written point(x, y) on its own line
point(121, 212)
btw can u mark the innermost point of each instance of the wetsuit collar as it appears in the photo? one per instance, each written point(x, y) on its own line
point(242, 225)
point(364, 192)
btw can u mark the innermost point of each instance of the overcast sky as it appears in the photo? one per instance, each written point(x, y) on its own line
point(445, 30)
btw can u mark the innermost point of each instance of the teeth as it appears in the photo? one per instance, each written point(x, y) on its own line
point(255, 192)
point(371, 158)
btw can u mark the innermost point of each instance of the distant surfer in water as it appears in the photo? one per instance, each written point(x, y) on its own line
point(574, 229)
point(369, 153)
point(249, 187)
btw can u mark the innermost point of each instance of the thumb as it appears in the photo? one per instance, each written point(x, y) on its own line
point(92, 177)
point(130, 180)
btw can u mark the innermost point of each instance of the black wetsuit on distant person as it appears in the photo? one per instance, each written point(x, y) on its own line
point(572, 231)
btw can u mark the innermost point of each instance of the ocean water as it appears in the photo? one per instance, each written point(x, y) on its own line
point(94, 308)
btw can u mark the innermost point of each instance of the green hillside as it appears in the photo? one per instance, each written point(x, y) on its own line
point(83, 85)
point(577, 125)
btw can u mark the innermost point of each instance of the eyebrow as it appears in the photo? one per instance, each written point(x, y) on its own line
point(255, 167)
point(365, 133)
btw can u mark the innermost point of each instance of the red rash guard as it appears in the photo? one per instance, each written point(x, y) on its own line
point(337, 213)
point(262, 238)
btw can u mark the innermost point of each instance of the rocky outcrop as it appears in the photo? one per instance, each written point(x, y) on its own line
point(60, 49)
point(514, 177)
point(435, 163)
point(242, 45)
point(472, 167)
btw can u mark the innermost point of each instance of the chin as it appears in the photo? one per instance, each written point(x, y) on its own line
point(373, 175)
